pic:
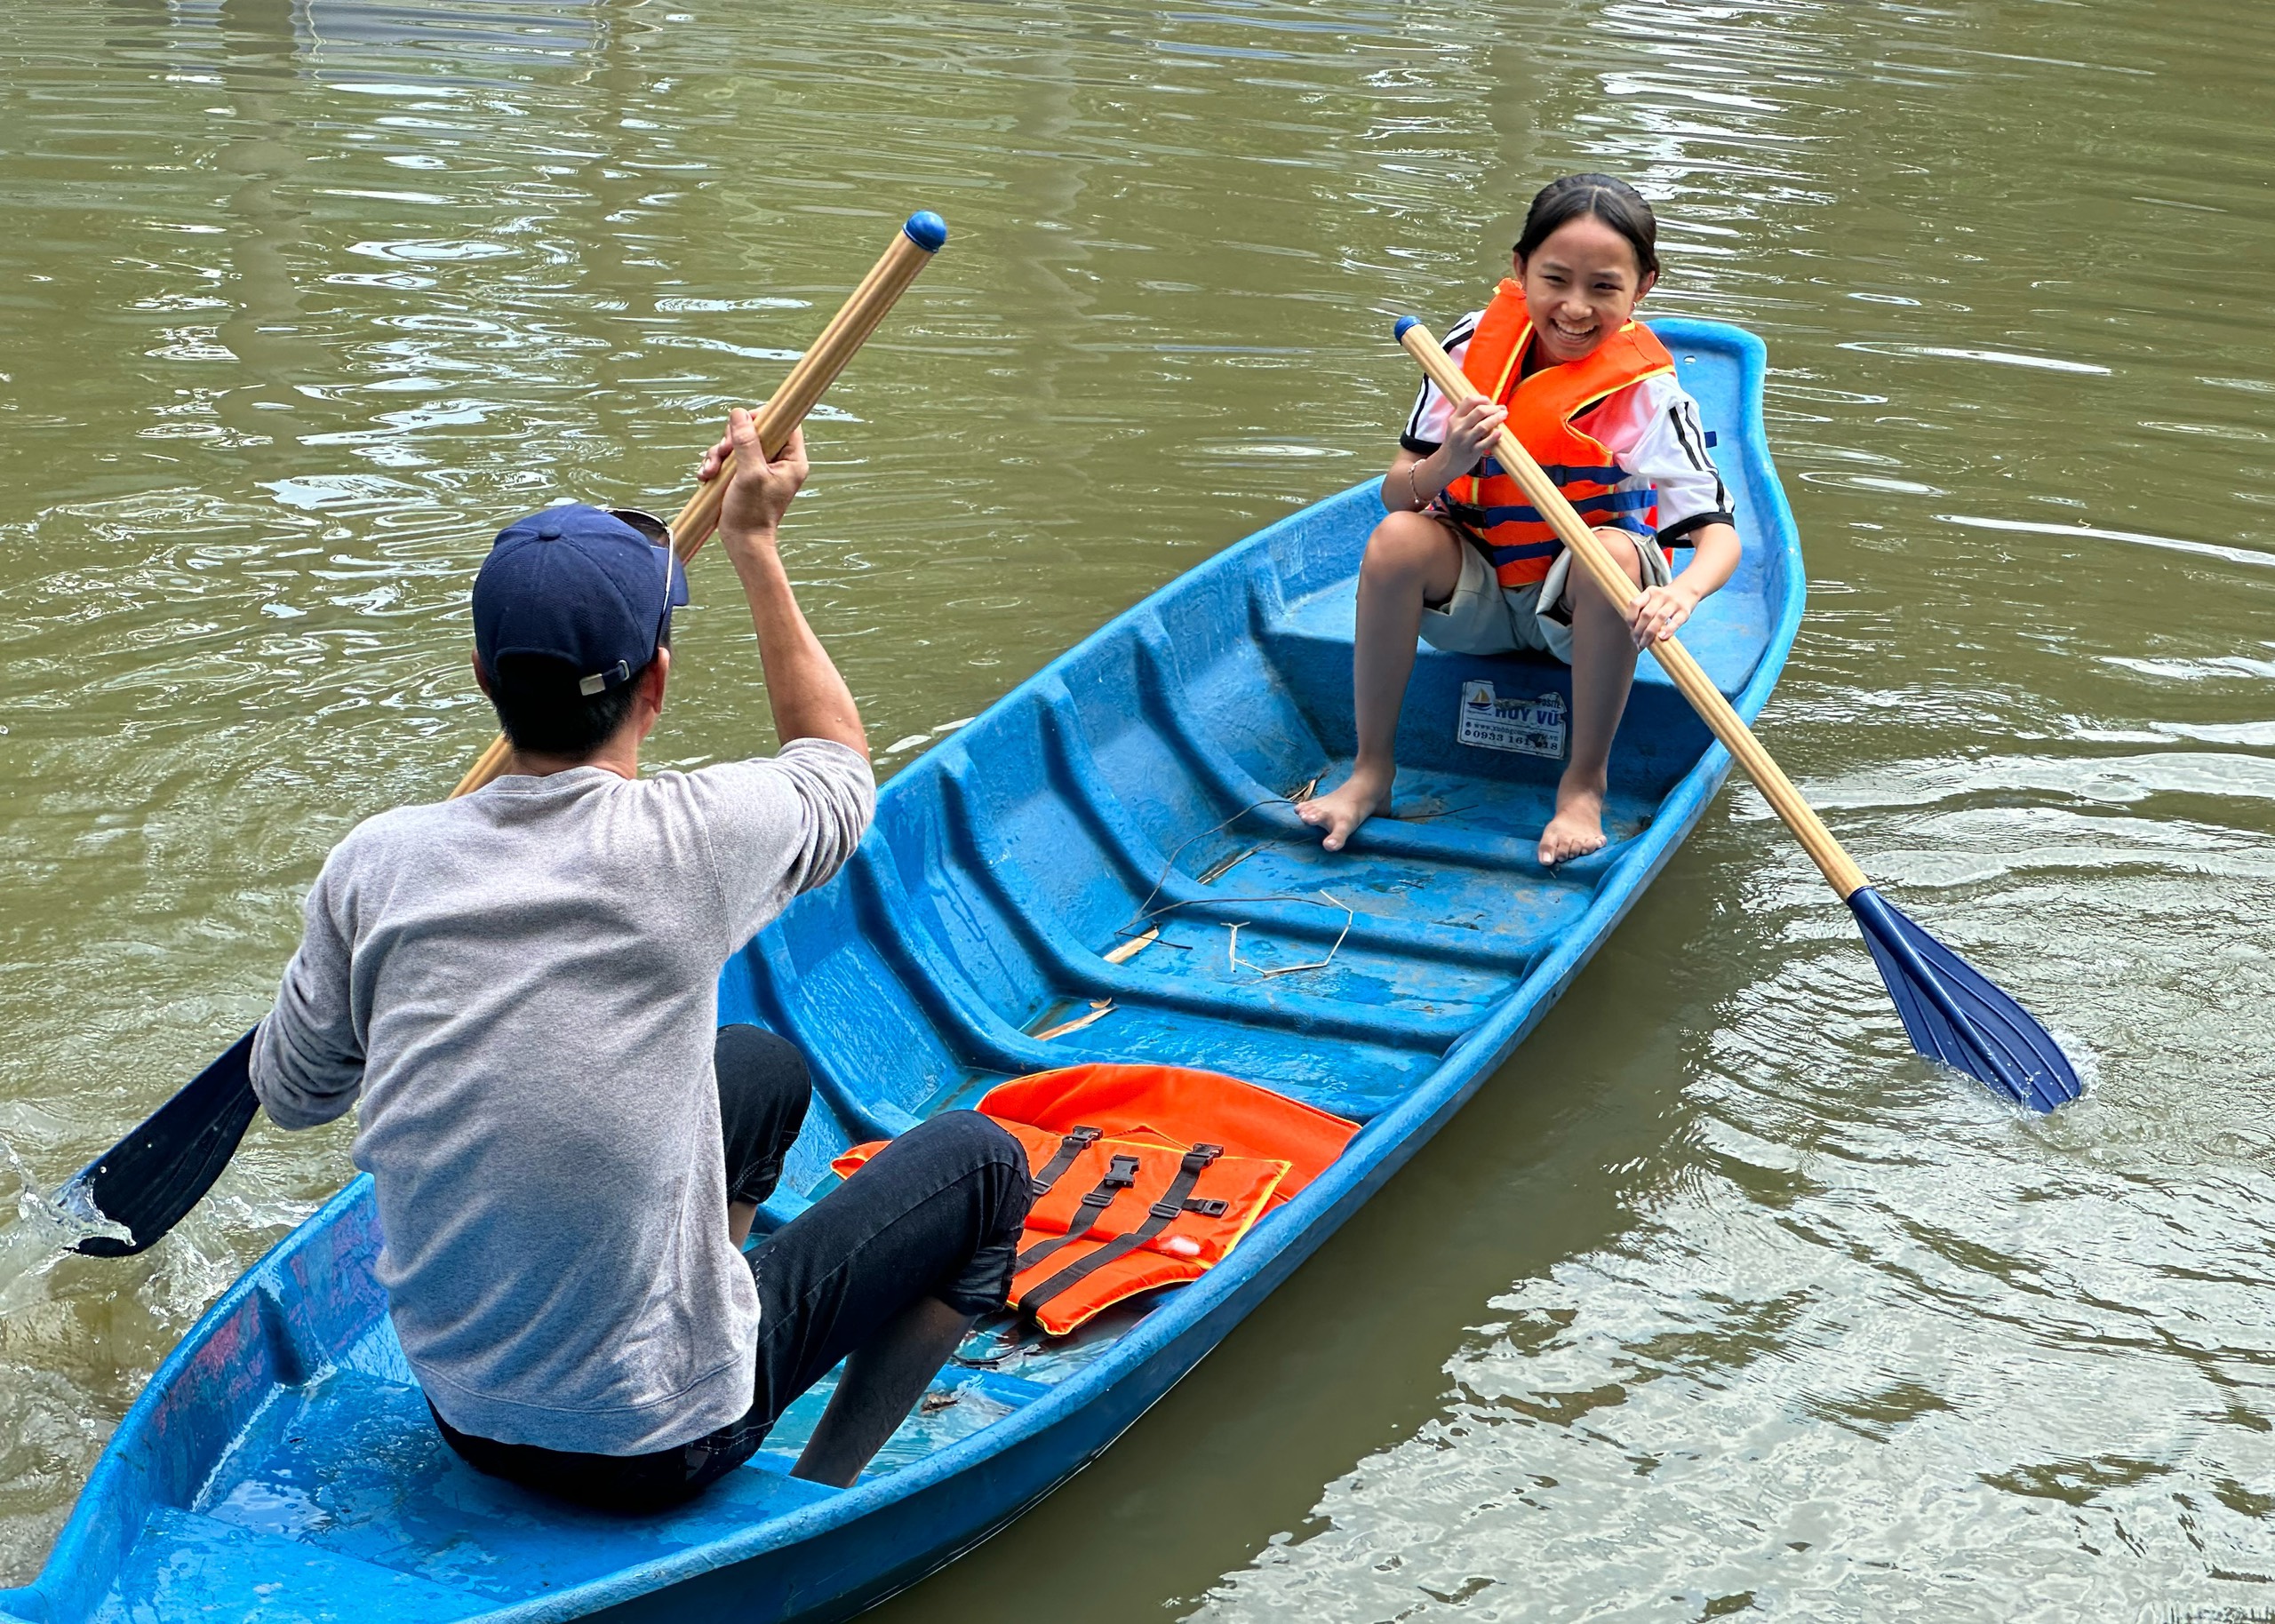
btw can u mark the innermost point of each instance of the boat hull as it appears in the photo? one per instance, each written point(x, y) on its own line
point(280, 1466)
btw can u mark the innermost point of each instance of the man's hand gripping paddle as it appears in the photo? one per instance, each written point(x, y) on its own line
point(1951, 1011)
point(148, 1180)
point(910, 252)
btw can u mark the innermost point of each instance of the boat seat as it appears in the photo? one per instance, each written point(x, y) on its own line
point(187, 1566)
point(351, 1468)
point(1726, 636)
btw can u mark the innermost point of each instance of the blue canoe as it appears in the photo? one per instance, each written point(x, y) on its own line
point(281, 1467)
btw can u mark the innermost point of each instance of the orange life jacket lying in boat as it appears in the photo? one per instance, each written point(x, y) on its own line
point(1144, 1177)
point(1521, 543)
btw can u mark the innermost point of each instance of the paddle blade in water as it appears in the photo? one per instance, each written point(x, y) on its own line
point(1954, 1015)
point(147, 1180)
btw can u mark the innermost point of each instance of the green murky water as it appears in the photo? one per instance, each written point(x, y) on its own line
point(1717, 1303)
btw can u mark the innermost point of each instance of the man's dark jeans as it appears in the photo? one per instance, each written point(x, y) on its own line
point(936, 1213)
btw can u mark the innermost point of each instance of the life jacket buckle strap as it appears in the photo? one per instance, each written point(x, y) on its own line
point(1070, 1148)
point(1207, 1206)
point(1159, 1217)
point(1120, 1174)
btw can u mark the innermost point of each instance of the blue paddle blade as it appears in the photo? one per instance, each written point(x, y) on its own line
point(1954, 1015)
point(148, 1180)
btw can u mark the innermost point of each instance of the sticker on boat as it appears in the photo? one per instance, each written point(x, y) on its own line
point(1541, 727)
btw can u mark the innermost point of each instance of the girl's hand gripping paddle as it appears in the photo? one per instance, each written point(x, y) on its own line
point(1949, 1009)
point(148, 1180)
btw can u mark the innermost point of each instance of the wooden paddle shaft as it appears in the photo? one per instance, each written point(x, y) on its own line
point(1840, 870)
point(815, 371)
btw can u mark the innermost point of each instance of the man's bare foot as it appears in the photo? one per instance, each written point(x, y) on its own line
point(1348, 805)
point(1577, 828)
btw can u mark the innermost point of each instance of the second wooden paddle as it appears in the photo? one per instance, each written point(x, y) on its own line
point(1951, 1011)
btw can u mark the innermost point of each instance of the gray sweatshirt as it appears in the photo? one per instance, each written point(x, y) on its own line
point(522, 987)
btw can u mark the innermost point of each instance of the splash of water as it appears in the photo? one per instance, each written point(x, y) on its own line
point(44, 1231)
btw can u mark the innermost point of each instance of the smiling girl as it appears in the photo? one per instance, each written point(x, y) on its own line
point(1465, 561)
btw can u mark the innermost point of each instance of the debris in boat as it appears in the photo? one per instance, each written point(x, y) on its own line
point(934, 1402)
point(998, 1344)
point(1217, 870)
point(1145, 909)
point(1233, 960)
point(1133, 947)
point(1422, 811)
point(1304, 791)
point(1100, 1008)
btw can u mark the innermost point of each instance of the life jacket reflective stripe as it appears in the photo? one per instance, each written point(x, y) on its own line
point(1124, 1203)
point(1489, 502)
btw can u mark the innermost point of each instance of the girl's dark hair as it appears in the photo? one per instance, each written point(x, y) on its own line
point(1615, 203)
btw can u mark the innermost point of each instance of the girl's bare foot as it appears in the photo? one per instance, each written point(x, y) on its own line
point(1577, 828)
point(1348, 805)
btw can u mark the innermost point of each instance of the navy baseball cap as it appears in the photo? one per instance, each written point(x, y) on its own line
point(572, 583)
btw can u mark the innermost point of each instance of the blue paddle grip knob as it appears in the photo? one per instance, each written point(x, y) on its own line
point(927, 230)
point(1404, 322)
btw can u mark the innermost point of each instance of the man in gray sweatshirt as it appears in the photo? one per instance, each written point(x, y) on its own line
point(521, 987)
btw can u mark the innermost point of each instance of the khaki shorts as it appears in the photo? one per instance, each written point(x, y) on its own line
point(1485, 618)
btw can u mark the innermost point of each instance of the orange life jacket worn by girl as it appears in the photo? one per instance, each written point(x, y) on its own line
point(1543, 405)
point(1617, 434)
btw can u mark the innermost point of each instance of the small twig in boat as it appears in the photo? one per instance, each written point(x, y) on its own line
point(1350, 915)
point(1428, 813)
point(1217, 870)
point(1232, 951)
point(1100, 1008)
point(1170, 867)
point(1226, 901)
point(1304, 791)
point(1133, 947)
